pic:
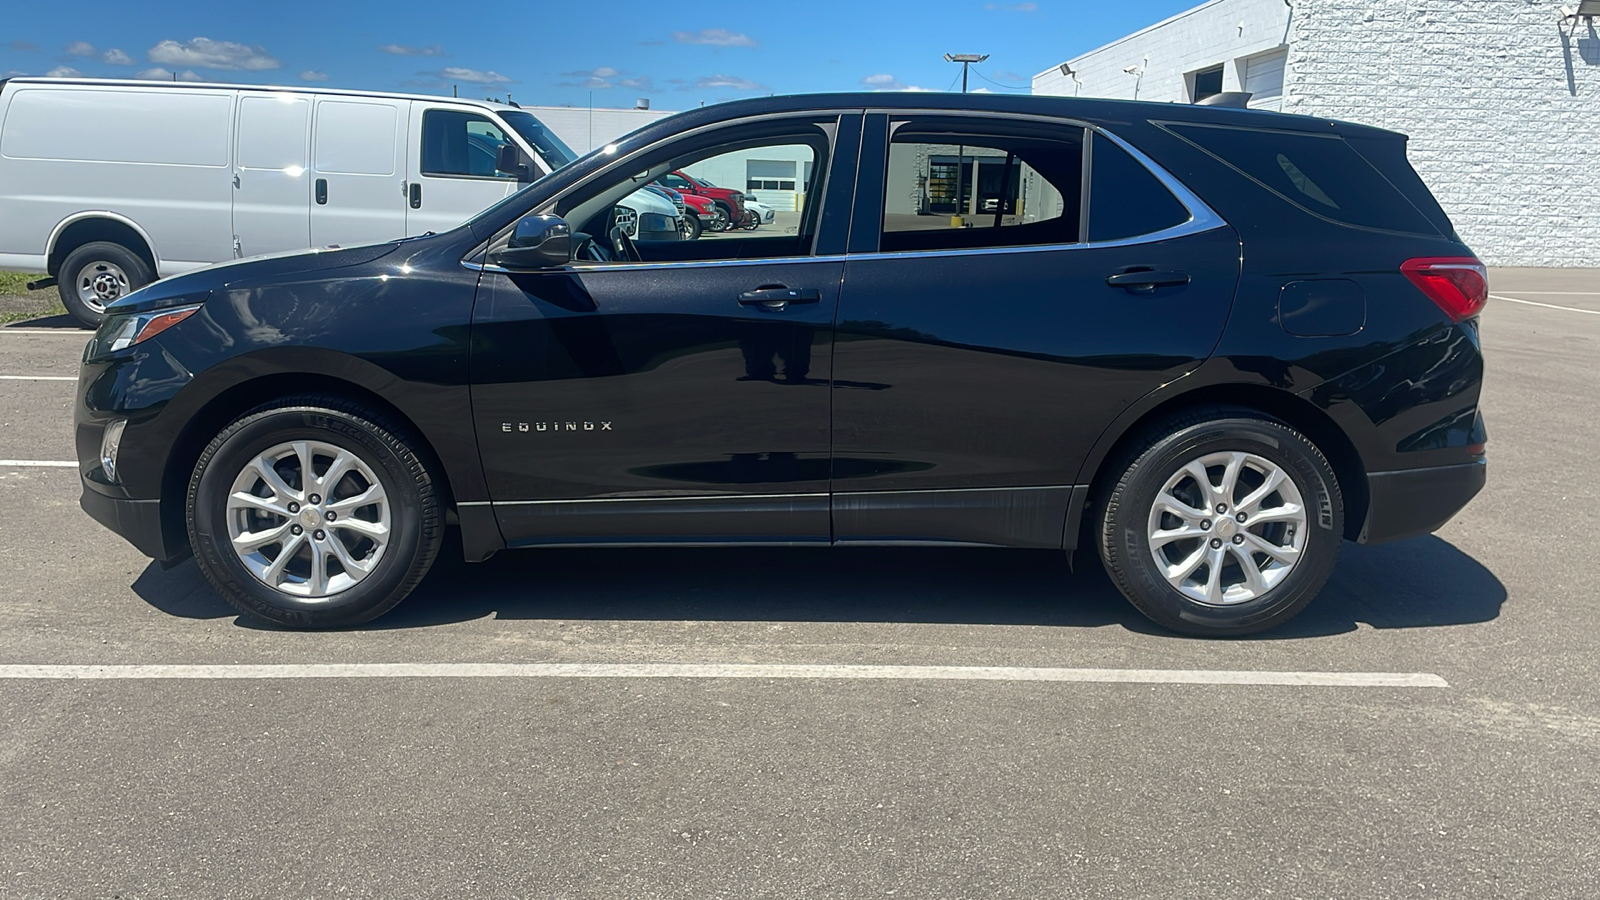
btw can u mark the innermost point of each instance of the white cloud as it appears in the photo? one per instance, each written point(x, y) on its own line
point(80, 48)
point(716, 37)
point(160, 74)
point(403, 50)
point(210, 54)
point(883, 81)
point(23, 47)
point(117, 58)
point(641, 83)
point(474, 76)
point(63, 72)
point(313, 75)
point(719, 82)
point(592, 79)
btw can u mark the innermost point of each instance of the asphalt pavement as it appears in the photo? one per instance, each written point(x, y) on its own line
point(616, 754)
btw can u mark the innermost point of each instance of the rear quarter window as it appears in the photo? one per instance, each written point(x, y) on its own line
point(1320, 174)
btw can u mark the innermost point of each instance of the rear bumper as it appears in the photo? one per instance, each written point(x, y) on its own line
point(136, 521)
point(1418, 501)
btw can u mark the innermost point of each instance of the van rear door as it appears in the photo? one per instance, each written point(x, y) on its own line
point(358, 171)
point(451, 166)
point(271, 184)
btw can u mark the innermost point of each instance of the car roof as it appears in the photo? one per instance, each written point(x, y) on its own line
point(1089, 109)
point(268, 88)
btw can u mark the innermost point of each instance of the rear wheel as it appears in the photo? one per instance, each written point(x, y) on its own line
point(96, 275)
point(1224, 522)
point(312, 513)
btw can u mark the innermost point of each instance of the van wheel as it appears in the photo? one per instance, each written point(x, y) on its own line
point(1224, 523)
point(96, 275)
point(311, 513)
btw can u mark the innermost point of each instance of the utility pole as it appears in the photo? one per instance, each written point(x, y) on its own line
point(966, 60)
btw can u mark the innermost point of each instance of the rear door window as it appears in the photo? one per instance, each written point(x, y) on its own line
point(1319, 173)
point(968, 184)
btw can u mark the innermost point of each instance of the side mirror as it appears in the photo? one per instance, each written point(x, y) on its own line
point(538, 242)
point(511, 161)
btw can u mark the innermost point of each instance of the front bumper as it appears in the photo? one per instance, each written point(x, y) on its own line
point(1418, 501)
point(136, 521)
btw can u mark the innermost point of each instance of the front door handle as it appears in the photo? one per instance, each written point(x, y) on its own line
point(1144, 281)
point(779, 297)
point(322, 192)
point(416, 195)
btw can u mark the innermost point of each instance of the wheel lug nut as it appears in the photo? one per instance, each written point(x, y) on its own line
point(1222, 507)
point(1238, 539)
point(314, 499)
point(295, 529)
point(1205, 524)
point(332, 515)
point(294, 507)
point(1241, 517)
point(319, 534)
point(1216, 543)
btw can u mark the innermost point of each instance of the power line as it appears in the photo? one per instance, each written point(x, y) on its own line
point(1009, 87)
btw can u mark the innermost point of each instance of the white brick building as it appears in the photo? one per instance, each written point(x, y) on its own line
point(1501, 98)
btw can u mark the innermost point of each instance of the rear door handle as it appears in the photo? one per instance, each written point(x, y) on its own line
point(322, 192)
point(416, 195)
point(779, 297)
point(1144, 281)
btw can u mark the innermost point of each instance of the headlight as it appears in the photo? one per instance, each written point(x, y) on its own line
point(657, 222)
point(119, 332)
point(738, 197)
point(110, 443)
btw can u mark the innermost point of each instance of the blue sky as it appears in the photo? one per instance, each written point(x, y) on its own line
point(678, 54)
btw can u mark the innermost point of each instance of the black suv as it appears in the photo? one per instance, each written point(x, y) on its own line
point(1211, 343)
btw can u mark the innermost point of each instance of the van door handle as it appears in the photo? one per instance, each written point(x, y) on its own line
point(322, 192)
point(1144, 281)
point(416, 195)
point(779, 297)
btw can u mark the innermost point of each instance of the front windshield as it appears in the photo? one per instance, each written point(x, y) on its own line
point(549, 147)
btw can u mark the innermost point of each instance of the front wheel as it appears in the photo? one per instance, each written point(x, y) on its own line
point(312, 513)
point(719, 218)
point(1223, 523)
point(691, 227)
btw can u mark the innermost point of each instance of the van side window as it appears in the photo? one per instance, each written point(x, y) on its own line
point(960, 188)
point(461, 144)
point(1126, 199)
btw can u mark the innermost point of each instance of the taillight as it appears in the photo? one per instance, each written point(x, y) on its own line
point(1458, 284)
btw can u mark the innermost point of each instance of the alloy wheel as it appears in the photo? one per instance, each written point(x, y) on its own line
point(1227, 527)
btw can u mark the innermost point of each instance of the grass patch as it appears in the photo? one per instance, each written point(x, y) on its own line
point(16, 282)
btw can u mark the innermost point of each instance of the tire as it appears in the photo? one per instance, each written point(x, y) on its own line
point(97, 274)
point(721, 217)
point(382, 454)
point(1140, 546)
point(692, 228)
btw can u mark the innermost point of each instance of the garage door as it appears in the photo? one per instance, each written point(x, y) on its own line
point(1263, 78)
point(773, 181)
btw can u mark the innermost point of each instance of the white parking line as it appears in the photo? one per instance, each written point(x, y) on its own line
point(718, 670)
point(64, 332)
point(1592, 312)
point(47, 463)
point(1565, 293)
point(38, 378)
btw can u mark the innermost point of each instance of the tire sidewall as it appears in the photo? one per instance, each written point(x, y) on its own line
point(129, 262)
point(213, 480)
point(694, 227)
point(1324, 525)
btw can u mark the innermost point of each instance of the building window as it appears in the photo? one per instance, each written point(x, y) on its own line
point(770, 175)
point(1207, 83)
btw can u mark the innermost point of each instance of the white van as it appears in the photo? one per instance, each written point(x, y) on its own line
point(107, 185)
